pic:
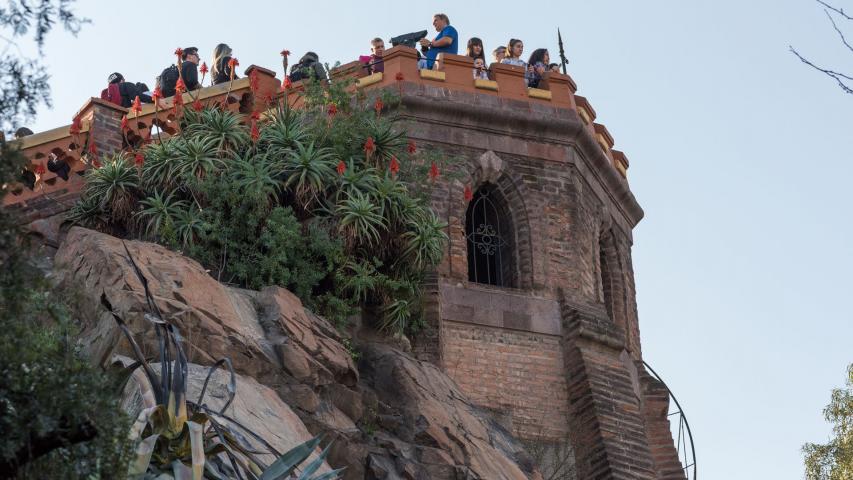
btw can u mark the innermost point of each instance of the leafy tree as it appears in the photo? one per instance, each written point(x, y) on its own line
point(834, 460)
point(24, 81)
point(844, 81)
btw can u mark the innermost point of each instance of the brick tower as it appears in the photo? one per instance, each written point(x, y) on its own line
point(533, 309)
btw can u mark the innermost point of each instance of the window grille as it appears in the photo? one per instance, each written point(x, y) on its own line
point(487, 231)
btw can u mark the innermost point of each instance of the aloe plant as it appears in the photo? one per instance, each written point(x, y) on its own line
point(183, 439)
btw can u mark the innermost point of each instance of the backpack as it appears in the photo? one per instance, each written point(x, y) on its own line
point(112, 94)
point(168, 80)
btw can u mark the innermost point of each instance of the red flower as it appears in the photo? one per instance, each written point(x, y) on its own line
point(233, 63)
point(197, 105)
point(399, 76)
point(40, 170)
point(137, 106)
point(394, 166)
point(285, 53)
point(180, 87)
point(333, 109)
point(123, 123)
point(179, 52)
point(412, 148)
point(179, 99)
point(76, 126)
point(433, 172)
point(369, 146)
point(287, 84)
point(256, 134)
point(378, 106)
point(93, 149)
point(255, 116)
point(139, 160)
point(96, 163)
point(203, 69)
point(254, 81)
point(342, 167)
point(469, 195)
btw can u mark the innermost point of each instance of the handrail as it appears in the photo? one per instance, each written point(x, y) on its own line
point(683, 420)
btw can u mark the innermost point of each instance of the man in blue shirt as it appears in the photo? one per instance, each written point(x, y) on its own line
point(447, 40)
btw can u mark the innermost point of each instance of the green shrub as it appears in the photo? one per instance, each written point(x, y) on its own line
point(310, 200)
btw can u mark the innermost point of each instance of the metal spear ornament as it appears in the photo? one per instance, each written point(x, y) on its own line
point(563, 58)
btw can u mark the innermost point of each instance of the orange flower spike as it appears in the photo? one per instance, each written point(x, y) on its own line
point(179, 52)
point(412, 148)
point(433, 172)
point(40, 170)
point(285, 53)
point(203, 69)
point(180, 87)
point(333, 109)
point(399, 77)
point(255, 115)
point(156, 95)
point(123, 123)
point(394, 166)
point(137, 106)
point(378, 105)
point(197, 105)
point(469, 195)
point(342, 167)
point(256, 134)
point(369, 146)
point(139, 160)
point(76, 126)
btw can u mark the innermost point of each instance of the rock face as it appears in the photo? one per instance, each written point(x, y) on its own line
point(392, 417)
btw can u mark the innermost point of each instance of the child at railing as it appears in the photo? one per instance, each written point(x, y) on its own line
point(480, 72)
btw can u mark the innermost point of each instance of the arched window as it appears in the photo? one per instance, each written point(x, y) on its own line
point(488, 231)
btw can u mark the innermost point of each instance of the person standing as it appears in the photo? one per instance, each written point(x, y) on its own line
point(447, 40)
point(221, 71)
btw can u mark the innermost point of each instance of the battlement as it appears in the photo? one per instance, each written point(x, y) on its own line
point(100, 127)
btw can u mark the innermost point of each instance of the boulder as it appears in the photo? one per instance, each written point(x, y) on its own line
point(392, 417)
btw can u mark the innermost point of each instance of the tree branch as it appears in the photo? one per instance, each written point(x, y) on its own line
point(838, 77)
point(839, 11)
point(840, 33)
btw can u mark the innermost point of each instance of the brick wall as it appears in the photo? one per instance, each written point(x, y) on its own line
point(516, 373)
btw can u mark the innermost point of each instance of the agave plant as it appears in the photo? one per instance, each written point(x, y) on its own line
point(256, 175)
point(88, 213)
point(424, 241)
point(159, 211)
point(115, 185)
point(183, 439)
point(285, 130)
point(360, 220)
point(158, 171)
point(196, 158)
point(308, 170)
point(188, 225)
point(223, 127)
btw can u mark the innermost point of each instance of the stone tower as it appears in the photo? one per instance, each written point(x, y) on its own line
point(533, 309)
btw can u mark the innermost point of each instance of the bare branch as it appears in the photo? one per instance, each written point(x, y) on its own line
point(840, 33)
point(839, 11)
point(838, 77)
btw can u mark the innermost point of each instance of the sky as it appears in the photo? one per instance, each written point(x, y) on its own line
point(740, 156)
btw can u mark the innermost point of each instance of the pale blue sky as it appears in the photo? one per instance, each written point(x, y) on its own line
point(740, 156)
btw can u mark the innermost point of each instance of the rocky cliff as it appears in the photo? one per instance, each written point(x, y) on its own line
point(388, 415)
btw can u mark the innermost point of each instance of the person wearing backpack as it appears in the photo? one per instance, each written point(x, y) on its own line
point(189, 73)
point(309, 66)
point(122, 93)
